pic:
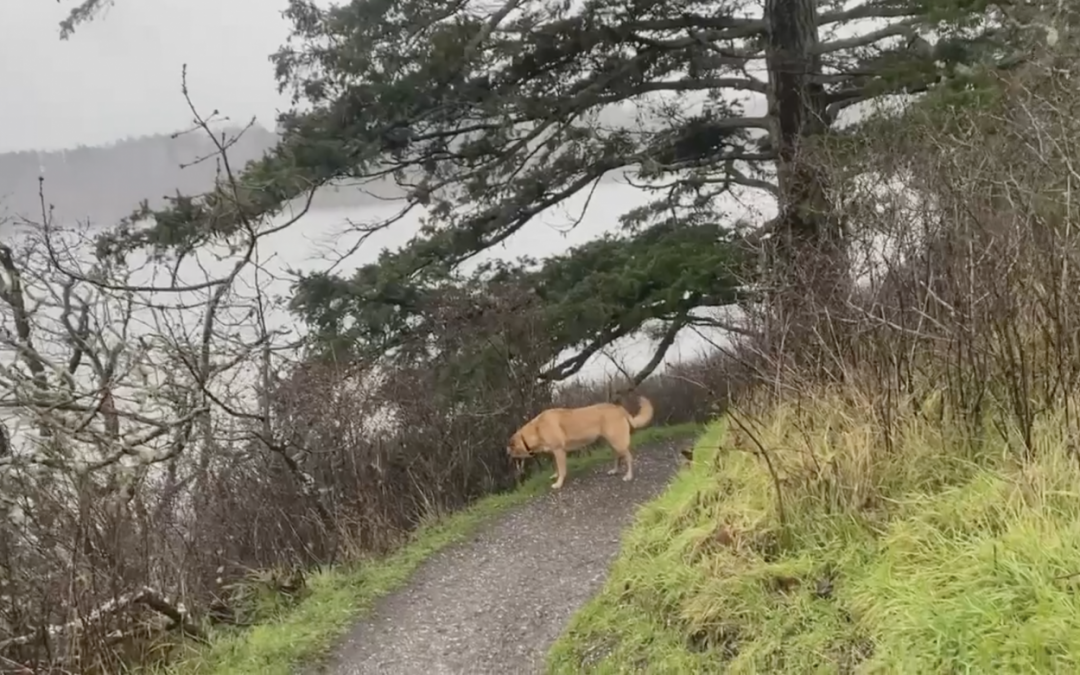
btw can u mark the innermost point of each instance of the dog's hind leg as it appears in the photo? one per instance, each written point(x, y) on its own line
point(620, 443)
point(615, 469)
point(629, 475)
point(560, 467)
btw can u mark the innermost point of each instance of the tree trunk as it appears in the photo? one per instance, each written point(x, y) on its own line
point(808, 262)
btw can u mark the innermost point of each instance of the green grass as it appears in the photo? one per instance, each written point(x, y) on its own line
point(339, 596)
point(927, 555)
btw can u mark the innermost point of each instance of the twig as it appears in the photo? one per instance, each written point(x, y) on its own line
point(145, 595)
point(768, 462)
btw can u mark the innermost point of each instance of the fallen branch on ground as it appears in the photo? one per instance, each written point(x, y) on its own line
point(145, 596)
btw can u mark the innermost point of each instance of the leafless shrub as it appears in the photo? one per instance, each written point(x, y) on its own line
point(95, 430)
point(962, 296)
point(419, 432)
point(695, 390)
point(133, 419)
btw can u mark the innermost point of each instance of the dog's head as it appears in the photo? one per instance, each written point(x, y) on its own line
point(516, 448)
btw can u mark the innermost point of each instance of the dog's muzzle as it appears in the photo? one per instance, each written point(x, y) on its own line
point(517, 454)
point(525, 453)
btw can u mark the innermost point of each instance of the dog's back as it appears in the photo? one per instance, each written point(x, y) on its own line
point(582, 426)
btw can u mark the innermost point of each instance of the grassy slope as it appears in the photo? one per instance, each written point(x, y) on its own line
point(926, 556)
point(340, 595)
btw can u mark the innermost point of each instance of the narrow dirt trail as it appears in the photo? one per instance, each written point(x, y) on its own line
point(495, 604)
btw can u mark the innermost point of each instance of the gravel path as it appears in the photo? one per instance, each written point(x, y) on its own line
point(495, 604)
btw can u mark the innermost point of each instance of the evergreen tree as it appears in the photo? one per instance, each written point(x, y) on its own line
point(488, 117)
point(83, 12)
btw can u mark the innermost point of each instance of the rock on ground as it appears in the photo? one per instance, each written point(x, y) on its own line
point(495, 604)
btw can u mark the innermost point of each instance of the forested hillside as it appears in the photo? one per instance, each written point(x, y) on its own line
point(104, 183)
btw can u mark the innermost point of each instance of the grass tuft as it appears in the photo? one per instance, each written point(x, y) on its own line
point(914, 553)
point(339, 596)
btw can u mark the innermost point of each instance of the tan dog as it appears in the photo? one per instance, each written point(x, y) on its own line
point(563, 430)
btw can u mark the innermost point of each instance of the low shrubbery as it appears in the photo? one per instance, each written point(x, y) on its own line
point(938, 555)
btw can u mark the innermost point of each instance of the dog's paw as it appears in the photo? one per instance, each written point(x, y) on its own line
point(612, 472)
point(628, 477)
point(556, 486)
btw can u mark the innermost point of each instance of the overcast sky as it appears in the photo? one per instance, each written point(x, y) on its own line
point(119, 76)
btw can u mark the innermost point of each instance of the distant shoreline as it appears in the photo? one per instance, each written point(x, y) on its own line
point(101, 185)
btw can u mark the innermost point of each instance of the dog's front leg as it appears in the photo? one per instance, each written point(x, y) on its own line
point(560, 467)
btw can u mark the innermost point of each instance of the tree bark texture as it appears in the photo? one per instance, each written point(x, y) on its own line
point(807, 253)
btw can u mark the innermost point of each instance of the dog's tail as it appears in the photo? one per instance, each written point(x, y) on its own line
point(644, 415)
